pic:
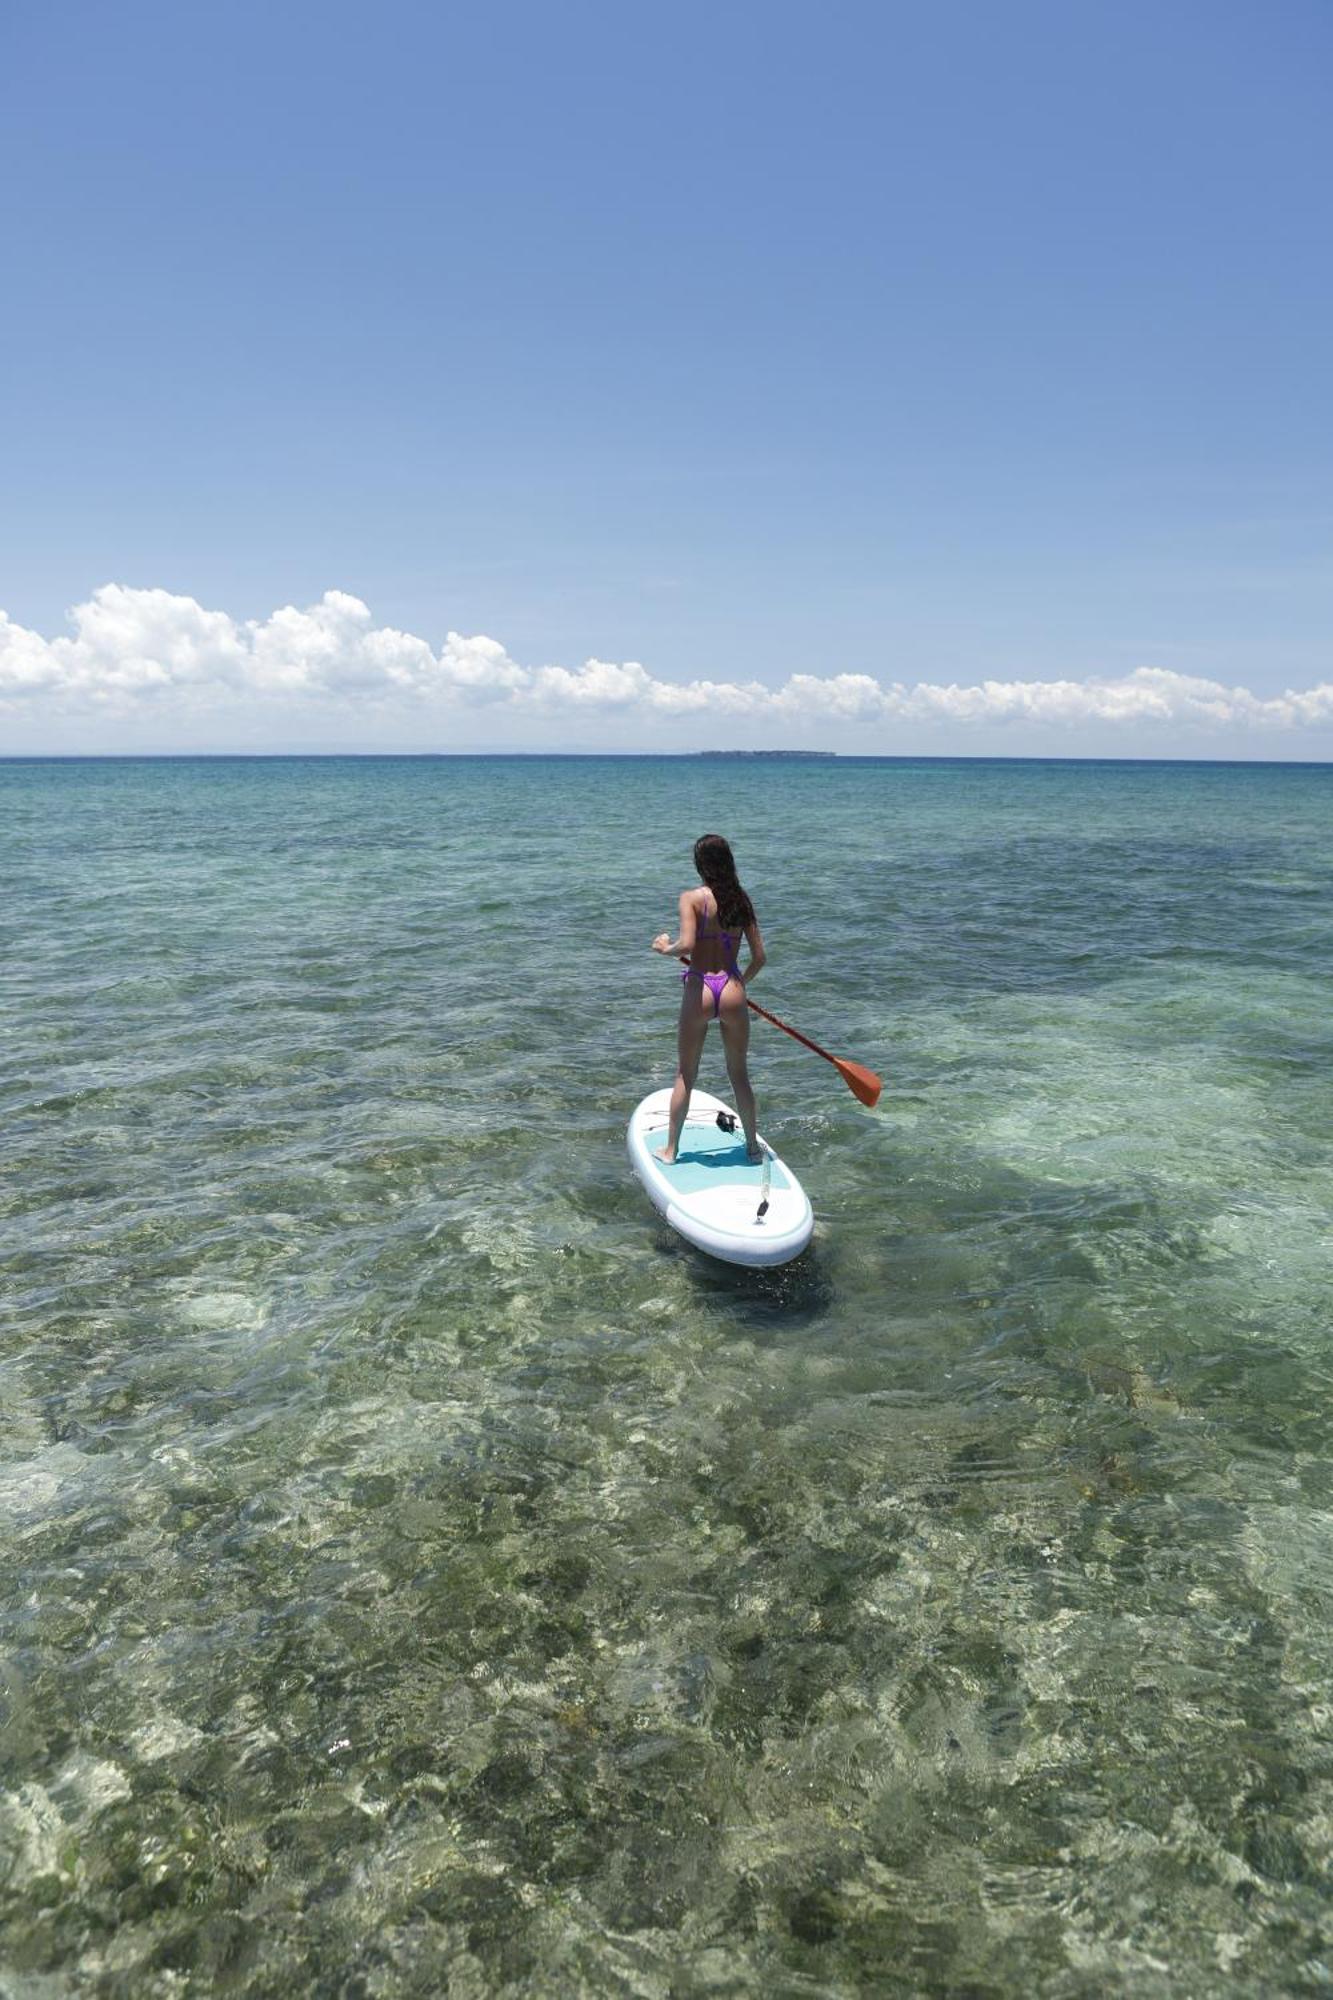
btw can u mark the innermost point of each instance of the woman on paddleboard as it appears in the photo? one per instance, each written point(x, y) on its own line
point(713, 920)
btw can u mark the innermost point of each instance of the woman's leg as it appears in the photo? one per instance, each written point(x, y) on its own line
point(696, 1008)
point(735, 1018)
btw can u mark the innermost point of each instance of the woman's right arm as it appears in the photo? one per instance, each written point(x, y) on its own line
point(689, 923)
point(758, 956)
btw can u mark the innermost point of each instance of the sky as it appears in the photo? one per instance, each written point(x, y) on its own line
point(946, 379)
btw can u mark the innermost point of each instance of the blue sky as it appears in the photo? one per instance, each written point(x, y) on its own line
point(909, 345)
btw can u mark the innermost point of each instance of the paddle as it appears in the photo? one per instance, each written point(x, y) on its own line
point(862, 1082)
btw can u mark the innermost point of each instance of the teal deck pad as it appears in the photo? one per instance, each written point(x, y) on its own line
point(709, 1157)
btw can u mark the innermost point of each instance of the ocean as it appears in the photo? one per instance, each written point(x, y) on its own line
point(423, 1574)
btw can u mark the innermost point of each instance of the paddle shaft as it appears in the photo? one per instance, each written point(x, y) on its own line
point(795, 1033)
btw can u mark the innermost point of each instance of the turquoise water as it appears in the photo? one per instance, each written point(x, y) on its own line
point(422, 1574)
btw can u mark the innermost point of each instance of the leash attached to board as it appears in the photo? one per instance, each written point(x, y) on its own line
point(727, 1121)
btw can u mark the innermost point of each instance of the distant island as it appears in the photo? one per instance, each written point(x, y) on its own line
point(761, 753)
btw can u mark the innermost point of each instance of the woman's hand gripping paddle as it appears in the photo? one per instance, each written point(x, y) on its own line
point(862, 1082)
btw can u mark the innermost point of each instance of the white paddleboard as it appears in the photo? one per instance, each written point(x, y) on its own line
point(711, 1192)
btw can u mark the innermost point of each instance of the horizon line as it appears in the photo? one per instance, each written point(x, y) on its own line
point(611, 756)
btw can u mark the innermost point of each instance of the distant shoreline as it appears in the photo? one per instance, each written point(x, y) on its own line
point(17, 757)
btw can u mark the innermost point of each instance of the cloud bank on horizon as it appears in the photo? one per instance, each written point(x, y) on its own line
point(130, 651)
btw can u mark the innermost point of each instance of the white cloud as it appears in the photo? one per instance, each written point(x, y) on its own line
point(841, 697)
point(131, 650)
point(601, 684)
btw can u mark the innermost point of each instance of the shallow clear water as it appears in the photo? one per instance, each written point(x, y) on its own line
point(422, 1573)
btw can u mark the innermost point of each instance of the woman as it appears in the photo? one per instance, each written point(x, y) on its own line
point(713, 920)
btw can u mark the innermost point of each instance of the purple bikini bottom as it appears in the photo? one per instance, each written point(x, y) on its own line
point(716, 982)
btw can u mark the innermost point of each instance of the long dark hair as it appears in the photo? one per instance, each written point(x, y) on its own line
point(717, 869)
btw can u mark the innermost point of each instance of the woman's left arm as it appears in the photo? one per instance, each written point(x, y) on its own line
point(682, 946)
point(758, 956)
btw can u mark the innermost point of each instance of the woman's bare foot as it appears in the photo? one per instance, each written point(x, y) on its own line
point(666, 1156)
point(755, 1155)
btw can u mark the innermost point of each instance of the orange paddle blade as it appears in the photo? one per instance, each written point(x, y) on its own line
point(862, 1082)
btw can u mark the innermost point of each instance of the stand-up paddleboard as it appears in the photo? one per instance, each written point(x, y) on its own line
point(736, 1209)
